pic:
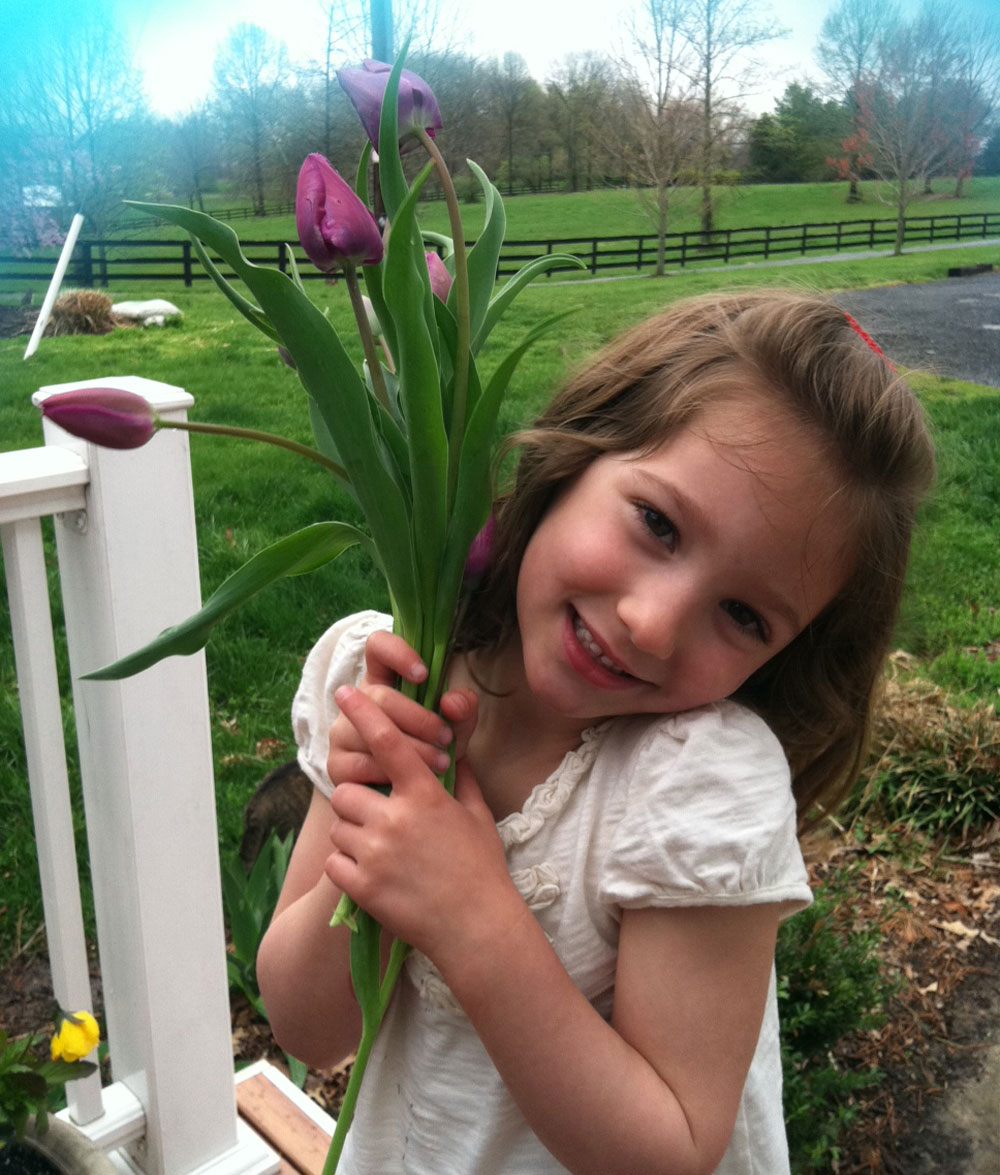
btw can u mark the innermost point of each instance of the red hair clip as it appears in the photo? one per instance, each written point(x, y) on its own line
point(859, 329)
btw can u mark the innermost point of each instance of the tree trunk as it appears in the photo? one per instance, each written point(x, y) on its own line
point(661, 228)
point(901, 203)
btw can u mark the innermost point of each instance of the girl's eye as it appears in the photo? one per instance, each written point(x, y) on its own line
point(658, 525)
point(746, 619)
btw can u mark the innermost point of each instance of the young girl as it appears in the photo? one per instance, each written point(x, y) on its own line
point(672, 656)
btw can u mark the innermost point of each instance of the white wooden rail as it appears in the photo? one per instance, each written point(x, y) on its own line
point(125, 536)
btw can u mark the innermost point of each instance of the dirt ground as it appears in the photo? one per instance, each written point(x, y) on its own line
point(937, 1108)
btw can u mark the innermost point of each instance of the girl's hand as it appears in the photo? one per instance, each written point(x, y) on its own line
point(388, 659)
point(430, 867)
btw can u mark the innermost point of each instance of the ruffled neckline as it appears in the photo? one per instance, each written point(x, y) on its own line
point(548, 798)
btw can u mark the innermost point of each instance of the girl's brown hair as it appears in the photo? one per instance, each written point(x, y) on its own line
point(818, 693)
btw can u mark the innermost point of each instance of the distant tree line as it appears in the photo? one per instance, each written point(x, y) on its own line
point(900, 99)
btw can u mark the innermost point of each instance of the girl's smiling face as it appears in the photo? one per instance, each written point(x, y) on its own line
point(658, 583)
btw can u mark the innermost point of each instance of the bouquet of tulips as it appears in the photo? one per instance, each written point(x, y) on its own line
point(410, 436)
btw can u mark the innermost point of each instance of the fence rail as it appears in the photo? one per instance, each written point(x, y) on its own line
point(99, 263)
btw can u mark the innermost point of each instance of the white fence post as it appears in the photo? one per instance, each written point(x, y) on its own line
point(128, 566)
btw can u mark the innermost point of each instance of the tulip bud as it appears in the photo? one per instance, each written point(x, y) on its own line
point(75, 1036)
point(106, 416)
point(480, 553)
point(440, 277)
point(334, 226)
point(417, 109)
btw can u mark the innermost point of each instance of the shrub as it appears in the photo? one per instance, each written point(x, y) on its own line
point(935, 762)
point(830, 986)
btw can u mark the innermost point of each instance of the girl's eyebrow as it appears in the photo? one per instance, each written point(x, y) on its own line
point(771, 600)
point(686, 505)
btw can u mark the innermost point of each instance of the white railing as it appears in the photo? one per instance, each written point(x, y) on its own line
point(125, 536)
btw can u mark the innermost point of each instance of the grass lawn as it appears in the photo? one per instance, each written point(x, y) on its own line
point(247, 496)
point(613, 211)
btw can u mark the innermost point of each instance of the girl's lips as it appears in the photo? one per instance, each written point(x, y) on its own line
point(586, 656)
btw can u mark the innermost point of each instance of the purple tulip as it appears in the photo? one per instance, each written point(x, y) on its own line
point(480, 553)
point(440, 277)
point(105, 416)
point(418, 108)
point(334, 226)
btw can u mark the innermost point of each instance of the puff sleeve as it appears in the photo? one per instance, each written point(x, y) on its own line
point(337, 658)
point(708, 817)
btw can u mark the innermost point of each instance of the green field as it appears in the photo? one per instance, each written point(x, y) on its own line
point(613, 211)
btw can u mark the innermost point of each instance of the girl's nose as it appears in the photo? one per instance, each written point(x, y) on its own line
point(658, 618)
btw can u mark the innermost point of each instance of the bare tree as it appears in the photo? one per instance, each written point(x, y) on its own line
point(192, 155)
point(78, 102)
point(721, 36)
point(664, 114)
point(903, 103)
point(847, 50)
point(975, 95)
point(251, 73)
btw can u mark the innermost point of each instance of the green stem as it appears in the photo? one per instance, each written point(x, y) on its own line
point(346, 1114)
point(370, 1026)
point(253, 434)
point(367, 338)
point(462, 313)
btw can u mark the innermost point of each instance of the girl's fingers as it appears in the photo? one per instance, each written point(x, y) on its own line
point(460, 707)
point(394, 753)
point(411, 718)
point(388, 657)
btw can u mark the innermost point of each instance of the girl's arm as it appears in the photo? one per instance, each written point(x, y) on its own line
point(303, 966)
point(657, 1089)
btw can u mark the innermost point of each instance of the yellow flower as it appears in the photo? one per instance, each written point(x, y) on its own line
point(76, 1036)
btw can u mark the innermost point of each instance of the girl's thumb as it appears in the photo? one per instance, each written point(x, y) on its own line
point(467, 791)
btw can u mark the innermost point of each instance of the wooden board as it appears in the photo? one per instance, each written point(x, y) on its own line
point(295, 1136)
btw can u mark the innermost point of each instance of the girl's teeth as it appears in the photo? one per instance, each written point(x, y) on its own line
point(593, 648)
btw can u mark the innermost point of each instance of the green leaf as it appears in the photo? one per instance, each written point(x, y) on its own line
point(297, 1070)
point(330, 377)
point(392, 181)
point(484, 254)
point(444, 242)
point(301, 552)
point(510, 289)
point(407, 286)
point(472, 498)
point(250, 312)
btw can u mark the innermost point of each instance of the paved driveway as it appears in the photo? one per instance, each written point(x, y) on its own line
point(951, 327)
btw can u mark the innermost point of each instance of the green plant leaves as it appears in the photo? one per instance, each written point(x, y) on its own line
point(299, 553)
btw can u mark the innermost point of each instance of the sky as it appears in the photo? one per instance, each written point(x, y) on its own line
point(175, 41)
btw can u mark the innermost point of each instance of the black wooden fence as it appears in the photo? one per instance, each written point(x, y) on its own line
point(99, 263)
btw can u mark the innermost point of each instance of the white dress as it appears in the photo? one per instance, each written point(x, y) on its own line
point(680, 810)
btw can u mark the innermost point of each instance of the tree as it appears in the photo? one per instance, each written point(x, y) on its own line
point(192, 155)
point(74, 118)
point(720, 34)
point(579, 91)
point(847, 50)
point(665, 116)
point(796, 142)
point(251, 75)
point(975, 96)
point(988, 162)
point(516, 97)
point(902, 106)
